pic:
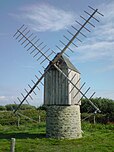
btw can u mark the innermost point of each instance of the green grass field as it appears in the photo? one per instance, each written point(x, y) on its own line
point(31, 138)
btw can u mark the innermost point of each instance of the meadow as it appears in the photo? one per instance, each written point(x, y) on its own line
point(31, 137)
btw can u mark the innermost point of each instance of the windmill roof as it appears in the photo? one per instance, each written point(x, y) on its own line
point(69, 64)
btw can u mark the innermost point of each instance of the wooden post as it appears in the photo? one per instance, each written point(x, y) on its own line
point(18, 121)
point(94, 119)
point(12, 148)
point(39, 119)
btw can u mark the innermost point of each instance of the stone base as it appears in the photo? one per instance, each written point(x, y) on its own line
point(63, 122)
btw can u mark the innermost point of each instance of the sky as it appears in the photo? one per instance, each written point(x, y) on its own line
point(50, 20)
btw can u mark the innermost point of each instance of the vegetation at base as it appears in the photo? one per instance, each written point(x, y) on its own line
point(99, 118)
point(2, 108)
point(9, 118)
point(11, 107)
point(87, 112)
point(105, 105)
point(31, 138)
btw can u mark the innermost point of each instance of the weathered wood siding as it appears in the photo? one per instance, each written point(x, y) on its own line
point(74, 94)
point(57, 89)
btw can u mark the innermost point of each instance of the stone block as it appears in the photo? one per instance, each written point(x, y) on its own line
point(63, 122)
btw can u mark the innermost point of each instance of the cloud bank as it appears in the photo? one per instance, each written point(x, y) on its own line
point(45, 17)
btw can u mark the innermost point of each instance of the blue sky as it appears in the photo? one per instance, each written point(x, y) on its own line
point(49, 20)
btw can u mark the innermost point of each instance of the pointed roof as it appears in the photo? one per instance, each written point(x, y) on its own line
point(69, 64)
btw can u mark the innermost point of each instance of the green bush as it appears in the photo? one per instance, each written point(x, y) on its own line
point(100, 118)
point(2, 108)
point(105, 105)
point(11, 107)
point(8, 118)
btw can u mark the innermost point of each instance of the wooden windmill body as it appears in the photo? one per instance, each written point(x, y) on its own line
point(57, 88)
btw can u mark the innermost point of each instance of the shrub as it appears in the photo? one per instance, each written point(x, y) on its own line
point(8, 118)
point(100, 118)
point(11, 107)
point(2, 108)
point(105, 105)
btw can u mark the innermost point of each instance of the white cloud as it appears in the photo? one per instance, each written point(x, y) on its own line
point(109, 67)
point(6, 99)
point(44, 17)
point(96, 50)
point(2, 97)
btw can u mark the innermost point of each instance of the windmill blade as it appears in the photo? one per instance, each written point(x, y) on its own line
point(22, 115)
point(46, 57)
point(31, 90)
point(70, 41)
point(80, 89)
point(84, 94)
point(94, 10)
point(35, 47)
point(75, 84)
point(26, 99)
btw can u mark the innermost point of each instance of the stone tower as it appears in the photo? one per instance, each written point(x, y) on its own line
point(62, 101)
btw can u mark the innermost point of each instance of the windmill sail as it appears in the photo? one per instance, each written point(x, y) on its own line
point(30, 44)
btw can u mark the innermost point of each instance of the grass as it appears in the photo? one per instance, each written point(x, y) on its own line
point(31, 138)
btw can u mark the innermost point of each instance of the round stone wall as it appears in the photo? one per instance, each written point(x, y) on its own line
point(63, 122)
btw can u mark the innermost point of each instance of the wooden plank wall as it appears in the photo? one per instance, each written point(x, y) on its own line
point(74, 95)
point(57, 88)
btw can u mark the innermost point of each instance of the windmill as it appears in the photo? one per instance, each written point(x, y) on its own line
point(62, 90)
